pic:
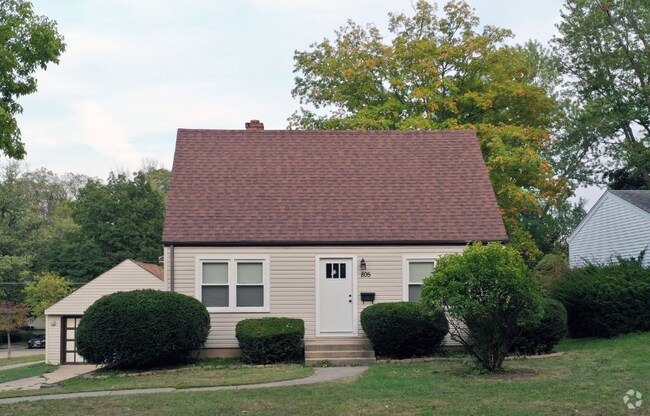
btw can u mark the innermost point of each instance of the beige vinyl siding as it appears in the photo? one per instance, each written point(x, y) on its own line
point(53, 339)
point(123, 277)
point(292, 280)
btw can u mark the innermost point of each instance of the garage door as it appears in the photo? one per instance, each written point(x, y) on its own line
point(69, 353)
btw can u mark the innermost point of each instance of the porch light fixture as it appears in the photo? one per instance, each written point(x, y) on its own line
point(362, 265)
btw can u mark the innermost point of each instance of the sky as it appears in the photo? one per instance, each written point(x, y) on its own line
point(137, 70)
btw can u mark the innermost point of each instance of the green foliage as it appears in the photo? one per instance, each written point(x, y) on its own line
point(549, 269)
point(604, 49)
point(28, 43)
point(271, 340)
point(142, 328)
point(20, 335)
point(31, 204)
point(120, 219)
point(404, 329)
point(608, 300)
point(488, 289)
point(543, 336)
point(443, 71)
point(45, 291)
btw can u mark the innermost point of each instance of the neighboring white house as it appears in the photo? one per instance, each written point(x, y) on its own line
point(318, 225)
point(618, 225)
point(62, 318)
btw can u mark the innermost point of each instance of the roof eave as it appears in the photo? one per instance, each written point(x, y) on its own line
point(331, 243)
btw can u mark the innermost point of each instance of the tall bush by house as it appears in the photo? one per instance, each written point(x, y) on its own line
point(271, 340)
point(142, 328)
point(404, 329)
point(549, 269)
point(541, 337)
point(606, 300)
point(489, 290)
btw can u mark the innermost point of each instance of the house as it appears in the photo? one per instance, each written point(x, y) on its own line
point(617, 225)
point(317, 225)
point(63, 317)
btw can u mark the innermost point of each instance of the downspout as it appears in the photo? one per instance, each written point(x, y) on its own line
point(171, 268)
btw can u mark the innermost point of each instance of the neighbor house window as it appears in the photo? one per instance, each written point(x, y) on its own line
point(234, 284)
point(416, 269)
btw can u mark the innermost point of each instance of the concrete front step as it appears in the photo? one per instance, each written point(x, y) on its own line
point(339, 362)
point(326, 355)
point(339, 352)
point(338, 346)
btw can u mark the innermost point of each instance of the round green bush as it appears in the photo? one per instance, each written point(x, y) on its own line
point(403, 329)
point(271, 340)
point(605, 301)
point(542, 337)
point(142, 328)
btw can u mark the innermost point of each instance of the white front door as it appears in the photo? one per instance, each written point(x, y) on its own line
point(336, 297)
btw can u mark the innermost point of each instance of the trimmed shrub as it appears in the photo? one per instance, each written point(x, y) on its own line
point(271, 340)
point(605, 301)
point(488, 289)
point(404, 329)
point(142, 328)
point(542, 337)
point(549, 269)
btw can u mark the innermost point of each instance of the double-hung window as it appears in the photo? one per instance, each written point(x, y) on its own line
point(233, 284)
point(416, 269)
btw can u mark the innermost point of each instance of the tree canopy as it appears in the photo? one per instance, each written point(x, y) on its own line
point(45, 291)
point(27, 42)
point(441, 71)
point(604, 50)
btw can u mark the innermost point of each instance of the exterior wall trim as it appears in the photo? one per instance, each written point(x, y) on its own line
point(355, 290)
point(266, 280)
point(405, 269)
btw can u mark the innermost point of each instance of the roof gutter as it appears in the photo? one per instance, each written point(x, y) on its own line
point(327, 243)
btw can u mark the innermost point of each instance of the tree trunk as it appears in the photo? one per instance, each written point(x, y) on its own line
point(8, 344)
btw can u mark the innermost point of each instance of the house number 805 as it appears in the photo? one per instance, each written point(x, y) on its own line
point(366, 274)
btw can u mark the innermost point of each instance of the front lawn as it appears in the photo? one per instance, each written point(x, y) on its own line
point(590, 379)
point(24, 372)
point(201, 374)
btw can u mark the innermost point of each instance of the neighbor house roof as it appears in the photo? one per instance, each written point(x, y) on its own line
point(641, 199)
point(154, 269)
point(284, 187)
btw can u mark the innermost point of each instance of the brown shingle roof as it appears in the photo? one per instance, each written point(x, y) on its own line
point(238, 187)
point(154, 269)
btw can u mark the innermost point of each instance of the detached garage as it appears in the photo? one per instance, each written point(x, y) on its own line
point(63, 317)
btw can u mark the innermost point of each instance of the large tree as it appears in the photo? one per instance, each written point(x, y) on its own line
point(27, 42)
point(604, 50)
point(441, 72)
point(120, 219)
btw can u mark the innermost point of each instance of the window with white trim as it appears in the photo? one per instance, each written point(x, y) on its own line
point(416, 269)
point(237, 284)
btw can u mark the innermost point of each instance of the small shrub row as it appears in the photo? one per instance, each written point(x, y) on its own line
point(403, 329)
point(20, 336)
point(605, 301)
point(271, 340)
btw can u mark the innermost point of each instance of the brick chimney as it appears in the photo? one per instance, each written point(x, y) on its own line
point(254, 125)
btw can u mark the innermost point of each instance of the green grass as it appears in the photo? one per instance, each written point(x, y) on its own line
point(18, 360)
point(24, 372)
point(590, 379)
point(210, 372)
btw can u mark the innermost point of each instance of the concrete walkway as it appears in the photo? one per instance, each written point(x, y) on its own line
point(321, 375)
point(10, 366)
point(64, 372)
